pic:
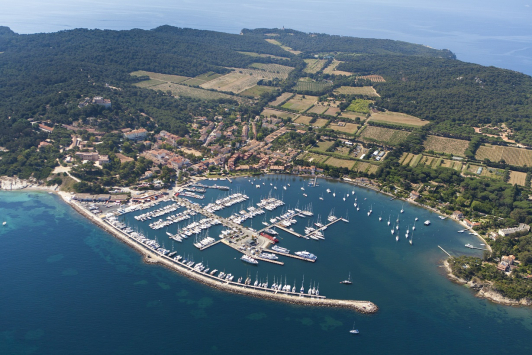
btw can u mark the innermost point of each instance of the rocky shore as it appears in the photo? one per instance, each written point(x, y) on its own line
point(485, 290)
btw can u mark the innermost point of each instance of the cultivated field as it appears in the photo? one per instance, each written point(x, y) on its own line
point(512, 156)
point(365, 167)
point(318, 109)
point(359, 105)
point(346, 127)
point(311, 85)
point(320, 122)
point(340, 163)
point(385, 135)
point(332, 111)
point(331, 69)
point(374, 78)
point(241, 79)
point(268, 112)
point(284, 96)
point(314, 65)
point(517, 177)
point(415, 160)
point(182, 90)
point(286, 48)
point(350, 90)
point(323, 146)
point(397, 118)
point(273, 68)
point(253, 54)
point(315, 158)
point(446, 145)
point(257, 90)
point(148, 83)
point(202, 79)
point(300, 103)
point(161, 77)
point(353, 115)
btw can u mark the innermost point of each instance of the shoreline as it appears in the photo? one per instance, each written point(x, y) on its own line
point(151, 257)
point(484, 290)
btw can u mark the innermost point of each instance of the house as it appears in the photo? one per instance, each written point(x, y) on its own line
point(508, 259)
point(43, 144)
point(458, 215)
point(98, 100)
point(471, 224)
point(277, 168)
point(45, 128)
point(136, 134)
point(503, 266)
point(507, 231)
point(414, 195)
point(178, 162)
point(90, 156)
point(103, 159)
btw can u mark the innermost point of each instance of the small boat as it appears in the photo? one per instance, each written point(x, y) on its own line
point(348, 281)
point(302, 188)
point(416, 219)
point(388, 220)
point(354, 331)
point(284, 187)
point(4, 223)
point(402, 208)
point(328, 191)
point(442, 217)
point(411, 237)
point(469, 246)
point(461, 231)
point(427, 223)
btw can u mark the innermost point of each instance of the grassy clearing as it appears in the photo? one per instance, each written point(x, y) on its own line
point(286, 48)
point(300, 103)
point(331, 69)
point(182, 90)
point(512, 156)
point(240, 80)
point(148, 83)
point(340, 163)
point(273, 68)
point(352, 115)
point(257, 90)
point(350, 90)
point(315, 86)
point(314, 65)
point(320, 122)
point(350, 128)
point(517, 177)
point(359, 105)
point(284, 96)
point(162, 77)
point(385, 135)
point(446, 145)
point(318, 109)
point(332, 111)
point(364, 167)
point(323, 146)
point(268, 112)
point(315, 158)
point(398, 119)
point(253, 54)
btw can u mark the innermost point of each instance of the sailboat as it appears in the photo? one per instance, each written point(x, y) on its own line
point(402, 209)
point(389, 220)
point(321, 197)
point(348, 281)
point(414, 226)
point(334, 193)
point(4, 223)
point(370, 210)
point(411, 237)
point(354, 331)
point(380, 217)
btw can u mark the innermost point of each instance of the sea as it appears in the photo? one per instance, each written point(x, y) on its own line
point(487, 32)
point(68, 287)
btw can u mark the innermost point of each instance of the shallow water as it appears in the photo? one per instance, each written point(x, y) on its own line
point(68, 287)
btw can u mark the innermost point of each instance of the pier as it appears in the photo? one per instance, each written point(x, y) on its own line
point(226, 242)
point(210, 245)
point(445, 251)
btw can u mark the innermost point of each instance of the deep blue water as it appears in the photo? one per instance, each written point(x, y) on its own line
point(68, 287)
point(487, 32)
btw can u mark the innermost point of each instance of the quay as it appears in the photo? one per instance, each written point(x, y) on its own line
point(151, 256)
point(291, 256)
point(226, 242)
point(210, 245)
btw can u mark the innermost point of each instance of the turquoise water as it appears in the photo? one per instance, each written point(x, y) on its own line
point(68, 287)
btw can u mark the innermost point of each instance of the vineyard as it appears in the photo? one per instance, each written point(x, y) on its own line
point(350, 128)
point(273, 68)
point(340, 163)
point(446, 145)
point(365, 167)
point(318, 109)
point(268, 112)
point(331, 69)
point(285, 96)
point(385, 135)
point(350, 90)
point(312, 86)
point(314, 65)
point(512, 156)
point(398, 119)
point(359, 105)
point(300, 103)
point(517, 177)
point(241, 79)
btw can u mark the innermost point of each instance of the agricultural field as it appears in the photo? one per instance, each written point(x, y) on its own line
point(314, 158)
point(332, 111)
point(485, 171)
point(318, 109)
point(320, 122)
point(512, 156)
point(268, 112)
point(359, 105)
point(323, 146)
point(346, 127)
point(148, 83)
point(300, 103)
point(350, 90)
point(385, 135)
point(374, 78)
point(240, 80)
point(201, 79)
point(284, 96)
point(353, 115)
point(398, 119)
point(517, 177)
point(304, 85)
point(286, 48)
point(314, 65)
point(273, 68)
point(415, 160)
point(340, 163)
point(365, 167)
point(183, 90)
point(331, 69)
point(405, 158)
point(161, 77)
point(446, 145)
point(253, 54)
point(452, 164)
point(257, 90)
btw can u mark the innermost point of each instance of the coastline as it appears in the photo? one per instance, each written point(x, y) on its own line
point(484, 290)
point(151, 257)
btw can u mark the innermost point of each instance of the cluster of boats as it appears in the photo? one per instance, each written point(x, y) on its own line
point(191, 194)
point(195, 189)
point(243, 215)
point(270, 203)
point(205, 242)
point(193, 228)
point(134, 208)
point(176, 218)
point(158, 212)
point(225, 202)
